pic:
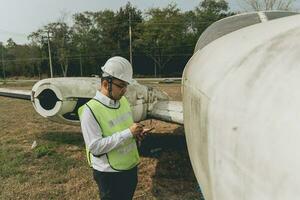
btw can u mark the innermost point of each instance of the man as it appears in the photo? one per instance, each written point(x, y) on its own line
point(109, 133)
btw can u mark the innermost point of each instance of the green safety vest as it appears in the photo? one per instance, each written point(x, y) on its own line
point(113, 120)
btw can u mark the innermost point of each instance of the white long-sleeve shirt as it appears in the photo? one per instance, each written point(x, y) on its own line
point(93, 137)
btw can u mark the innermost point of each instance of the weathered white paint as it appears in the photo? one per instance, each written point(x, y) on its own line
point(67, 91)
point(64, 94)
point(170, 111)
point(241, 99)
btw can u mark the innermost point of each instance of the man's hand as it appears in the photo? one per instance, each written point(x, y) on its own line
point(136, 129)
point(138, 132)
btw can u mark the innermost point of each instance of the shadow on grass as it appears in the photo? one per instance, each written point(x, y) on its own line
point(174, 177)
point(154, 144)
point(71, 138)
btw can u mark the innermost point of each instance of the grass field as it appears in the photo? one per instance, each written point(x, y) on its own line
point(57, 168)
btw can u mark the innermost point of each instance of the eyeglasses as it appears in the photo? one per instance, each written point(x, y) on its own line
point(123, 86)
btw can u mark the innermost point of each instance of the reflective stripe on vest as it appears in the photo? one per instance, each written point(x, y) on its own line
point(113, 120)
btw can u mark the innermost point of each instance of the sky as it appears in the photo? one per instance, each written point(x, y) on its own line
point(19, 18)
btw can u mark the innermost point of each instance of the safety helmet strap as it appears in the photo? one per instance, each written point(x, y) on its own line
point(109, 80)
point(110, 87)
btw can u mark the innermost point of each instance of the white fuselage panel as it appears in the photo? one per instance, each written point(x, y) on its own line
point(241, 102)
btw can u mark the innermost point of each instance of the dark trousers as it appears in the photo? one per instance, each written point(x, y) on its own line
point(116, 185)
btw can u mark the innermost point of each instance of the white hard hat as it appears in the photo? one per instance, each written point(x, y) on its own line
point(119, 68)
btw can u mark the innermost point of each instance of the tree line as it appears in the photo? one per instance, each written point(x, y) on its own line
point(162, 41)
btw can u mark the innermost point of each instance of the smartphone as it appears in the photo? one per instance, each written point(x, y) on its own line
point(147, 130)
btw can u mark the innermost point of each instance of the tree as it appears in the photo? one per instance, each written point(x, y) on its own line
point(163, 34)
point(59, 40)
point(19, 59)
point(258, 5)
point(163, 37)
point(62, 42)
point(105, 33)
point(39, 50)
point(2, 48)
point(208, 12)
point(126, 16)
point(34, 54)
point(86, 37)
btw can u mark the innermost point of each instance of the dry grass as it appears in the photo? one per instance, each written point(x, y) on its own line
point(57, 168)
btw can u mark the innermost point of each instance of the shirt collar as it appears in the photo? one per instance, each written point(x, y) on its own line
point(106, 100)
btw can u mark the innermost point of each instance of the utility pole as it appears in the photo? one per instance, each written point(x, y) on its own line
point(155, 69)
point(80, 64)
point(49, 51)
point(2, 61)
point(79, 46)
point(156, 52)
point(130, 41)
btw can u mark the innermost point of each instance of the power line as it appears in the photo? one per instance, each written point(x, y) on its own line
point(90, 56)
point(77, 56)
